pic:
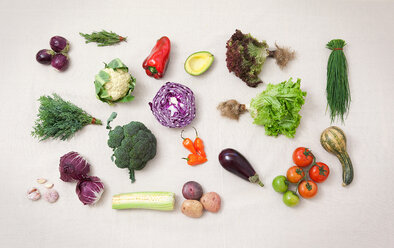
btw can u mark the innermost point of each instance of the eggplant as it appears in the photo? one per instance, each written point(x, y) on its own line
point(59, 44)
point(236, 163)
point(44, 56)
point(60, 61)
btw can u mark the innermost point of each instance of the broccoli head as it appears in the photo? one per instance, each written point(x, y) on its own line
point(133, 145)
point(246, 55)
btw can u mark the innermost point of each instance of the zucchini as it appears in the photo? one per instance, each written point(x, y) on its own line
point(163, 201)
point(333, 140)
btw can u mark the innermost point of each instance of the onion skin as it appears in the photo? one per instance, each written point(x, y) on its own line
point(234, 162)
point(44, 56)
point(59, 44)
point(60, 62)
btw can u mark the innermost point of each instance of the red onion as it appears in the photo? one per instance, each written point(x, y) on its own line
point(73, 167)
point(89, 190)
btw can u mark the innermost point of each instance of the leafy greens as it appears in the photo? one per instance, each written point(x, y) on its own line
point(277, 107)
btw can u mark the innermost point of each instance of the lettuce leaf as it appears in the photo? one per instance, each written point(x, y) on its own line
point(277, 107)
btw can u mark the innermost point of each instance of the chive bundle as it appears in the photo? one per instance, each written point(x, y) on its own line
point(338, 91)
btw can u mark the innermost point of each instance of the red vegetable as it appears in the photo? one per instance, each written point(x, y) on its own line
point(303, 157)
point(188, 144)
point(73, 167)
point(307, 189)
point(319, 172)
point(89, 190)
point(199, 145)
point(195, 159)
point(155, 64)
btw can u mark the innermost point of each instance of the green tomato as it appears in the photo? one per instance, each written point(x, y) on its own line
point(290, 198)
point(280, 184)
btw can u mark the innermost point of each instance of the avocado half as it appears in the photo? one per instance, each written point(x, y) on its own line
point(197, 63)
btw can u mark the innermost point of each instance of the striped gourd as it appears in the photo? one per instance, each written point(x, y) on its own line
point(163, 201)
point(333, 139)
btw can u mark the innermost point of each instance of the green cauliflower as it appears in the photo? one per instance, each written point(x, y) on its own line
point(133, 145)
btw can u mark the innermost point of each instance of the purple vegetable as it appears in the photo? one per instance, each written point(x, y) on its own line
point(59, 44)
point(44, 56)
point(192, 190)
point(60, 61)
point(73, 167)
point(236, 163)
point(89, 190)
point(173, 106)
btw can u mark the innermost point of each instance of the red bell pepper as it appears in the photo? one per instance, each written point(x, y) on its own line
point(156, 63)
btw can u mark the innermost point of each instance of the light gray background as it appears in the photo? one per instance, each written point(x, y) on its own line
point(360, 215)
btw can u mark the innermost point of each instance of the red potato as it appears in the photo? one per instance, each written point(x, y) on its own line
point(211, 202)
point(192, 190)
point(192, 208)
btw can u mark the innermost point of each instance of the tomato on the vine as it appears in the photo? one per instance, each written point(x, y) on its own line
point(290, 198)
point(307, 189)
point(319, 172)
point(302, 157)
point(295, 174)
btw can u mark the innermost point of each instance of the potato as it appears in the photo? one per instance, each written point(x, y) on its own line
point(192, 208)
point(192, 190)
point(211, 202)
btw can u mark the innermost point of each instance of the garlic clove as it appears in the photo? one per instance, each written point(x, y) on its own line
point(48, 185)
point(51, 195)
point(41, 180)
point(33, 194)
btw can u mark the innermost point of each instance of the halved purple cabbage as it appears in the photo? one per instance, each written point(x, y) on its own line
point(174, 105)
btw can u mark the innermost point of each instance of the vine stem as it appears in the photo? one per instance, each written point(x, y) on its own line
point(306, 176)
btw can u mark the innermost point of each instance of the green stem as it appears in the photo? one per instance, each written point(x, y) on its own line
point(132, 177)
point(256, 179)
point(152, 69)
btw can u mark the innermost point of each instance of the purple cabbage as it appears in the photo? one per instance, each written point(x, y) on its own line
point(59, 44)
point(73, 167)
point(174, 105)
point(89, 190)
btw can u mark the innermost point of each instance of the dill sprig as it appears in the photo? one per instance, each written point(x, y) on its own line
point(59, 119)
point(103, 38)
point(338, 91)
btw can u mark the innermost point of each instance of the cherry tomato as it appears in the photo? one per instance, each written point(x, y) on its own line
point(307, 189)
point(295, 174)
point(290, 198)
point(280, 184)
point(319, 172)
point(302, 157)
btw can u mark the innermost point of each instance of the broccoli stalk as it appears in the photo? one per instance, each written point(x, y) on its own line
point(246, 56)
point(133, 145)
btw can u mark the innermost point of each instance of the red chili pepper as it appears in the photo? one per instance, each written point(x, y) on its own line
point(155, 64)
point(195, 159)
point(188, 144)
point(199, 145)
